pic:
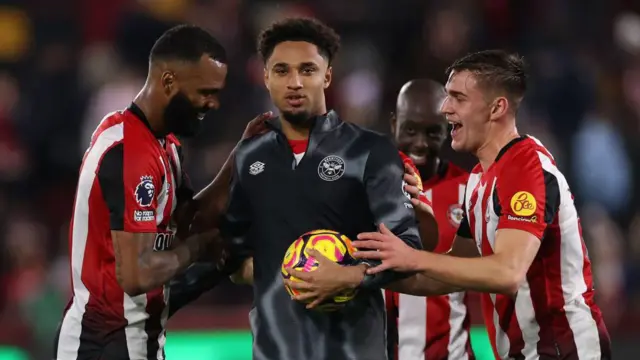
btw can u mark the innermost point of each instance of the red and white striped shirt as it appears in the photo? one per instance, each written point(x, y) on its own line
point(127, 182)
point(553, 314)
point(435, 327)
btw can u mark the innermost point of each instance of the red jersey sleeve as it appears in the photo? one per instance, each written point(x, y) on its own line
point(528, 196)
point(408, 162)
point(129, 181)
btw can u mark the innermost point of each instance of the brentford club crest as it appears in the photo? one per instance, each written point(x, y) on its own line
point(455, 215)
point(331, 168)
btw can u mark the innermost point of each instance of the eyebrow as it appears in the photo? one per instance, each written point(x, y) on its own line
point(303, 64)
point(209, 90)
point(455, 93)
point(308, 64)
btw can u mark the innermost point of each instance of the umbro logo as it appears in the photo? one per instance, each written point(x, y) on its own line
point(256, 168)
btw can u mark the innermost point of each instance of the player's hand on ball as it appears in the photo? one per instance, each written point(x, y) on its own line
point(257, 125)
point(390, 249)
point(326, 281)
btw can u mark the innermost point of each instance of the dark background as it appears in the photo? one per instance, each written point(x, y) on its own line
point(64, 64)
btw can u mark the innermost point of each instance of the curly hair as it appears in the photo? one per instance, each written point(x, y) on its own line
point(299, 29)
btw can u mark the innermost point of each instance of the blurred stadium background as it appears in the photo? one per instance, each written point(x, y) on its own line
point(64, 64)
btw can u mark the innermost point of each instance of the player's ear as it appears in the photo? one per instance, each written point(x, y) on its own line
point(168, 81)
point(394, 122)
point(499, 108)
point(266, 78)
point(328, 76)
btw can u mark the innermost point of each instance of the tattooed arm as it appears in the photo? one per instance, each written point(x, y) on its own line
point(129, 180)
point(140, 269)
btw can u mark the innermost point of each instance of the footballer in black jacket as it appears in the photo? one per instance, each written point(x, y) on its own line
point(312, 171)
point(274, 200)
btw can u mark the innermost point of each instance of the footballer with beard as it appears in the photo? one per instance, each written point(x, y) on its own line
point(126, 242)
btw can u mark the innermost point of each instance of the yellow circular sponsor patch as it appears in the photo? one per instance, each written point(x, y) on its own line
point(523, 203)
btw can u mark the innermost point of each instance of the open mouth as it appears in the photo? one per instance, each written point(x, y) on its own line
point(455, 127)
point(295, 100)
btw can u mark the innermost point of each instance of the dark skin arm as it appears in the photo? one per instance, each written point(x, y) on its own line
point(244, 276)
point(204, 211)
point(211, 201)
point(140, 269)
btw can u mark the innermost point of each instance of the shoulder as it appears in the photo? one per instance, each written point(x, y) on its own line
point(527, 150)
point(248, 147)
point(382, 150)
point(122, 126)
point(107, 143)
point(374, 143)
point(111, 127)
point(253, 143)
point(367, 135)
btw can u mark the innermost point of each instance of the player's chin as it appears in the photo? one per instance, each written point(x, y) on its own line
point(458, 145)
point(294, 110)
point(296, 115)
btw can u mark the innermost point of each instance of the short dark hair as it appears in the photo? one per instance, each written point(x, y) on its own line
point(299, 29)
point(496, 69)
point(187, 43)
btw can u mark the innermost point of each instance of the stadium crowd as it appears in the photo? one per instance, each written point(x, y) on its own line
point(64, 65)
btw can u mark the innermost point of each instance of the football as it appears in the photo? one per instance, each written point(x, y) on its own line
point(335, 246)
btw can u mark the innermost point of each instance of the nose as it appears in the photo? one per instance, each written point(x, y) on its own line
point(294, 82)
point(212, 103)
point(445, 108)
point(420, 142)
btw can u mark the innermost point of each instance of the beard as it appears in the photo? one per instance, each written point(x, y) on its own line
point(181, 117)
point(299, 119)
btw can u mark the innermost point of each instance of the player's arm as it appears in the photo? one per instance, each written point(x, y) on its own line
point(202, 213)
point(206, 208)
point(204, 275)
point(210, 202)
point(200, 276)
point(244, 275)
point(132, 210)
point(422, 285)
point(527, 198)
point(140, 269)
point(186, 287)
point(383, 178)
point(234, 226)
